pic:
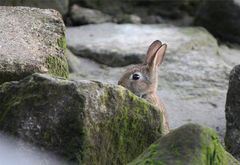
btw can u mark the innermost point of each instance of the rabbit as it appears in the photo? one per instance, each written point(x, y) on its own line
point(142, 79)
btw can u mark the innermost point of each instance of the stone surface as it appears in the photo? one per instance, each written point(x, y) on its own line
point(168, 9)
point(81, 16)
point(126, 18)
point(31, 40)
point(60, 5)
point(84, 121)
point(119, 45)
point(221, 18)
point(189, 144)
point(232, 138)
point(230, 54)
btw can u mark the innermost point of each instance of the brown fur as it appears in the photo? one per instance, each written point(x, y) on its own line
point(146, 86)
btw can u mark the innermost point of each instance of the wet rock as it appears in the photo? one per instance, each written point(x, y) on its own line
point(32, 40)
point(60, 5)
point(189, 144)
point(232, 138)
point(221, 18)
point(84, 121)
point(81, 15)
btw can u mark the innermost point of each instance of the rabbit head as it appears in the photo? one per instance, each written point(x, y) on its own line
point(142, 79)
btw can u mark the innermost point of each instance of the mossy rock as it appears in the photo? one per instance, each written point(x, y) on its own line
point(86, 122)
point(189, 144)
point(60, 5)
point(32, 40)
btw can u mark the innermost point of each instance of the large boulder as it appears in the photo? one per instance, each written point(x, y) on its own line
point(84, 121)
point(221, 18)
point(232, 138)
point(32, 40)
point(60, 5)
point(189, 144)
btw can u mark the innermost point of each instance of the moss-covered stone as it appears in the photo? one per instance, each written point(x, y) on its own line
point(60, 5)
point(39, 43)
point(189, 144)
point(86, 122)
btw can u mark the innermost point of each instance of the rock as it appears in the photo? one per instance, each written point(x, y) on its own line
point(221, 18)
point(125, 18)
point(81, 15)
point(230, 54)
point(60, 5)
point(32, 40)
point(168, 9)
point(84, 121)
point(232, 138)
point(153, 19)
point(120, 45)
point(193, 78)
point(189, 144)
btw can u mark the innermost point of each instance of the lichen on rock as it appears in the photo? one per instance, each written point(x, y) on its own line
point(189, 144)
point(84, 121)
point(32, 40)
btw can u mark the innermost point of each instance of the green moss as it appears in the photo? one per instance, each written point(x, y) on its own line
point(127, 132)
point(57, 66)
point(190, 144)
point(62, 43)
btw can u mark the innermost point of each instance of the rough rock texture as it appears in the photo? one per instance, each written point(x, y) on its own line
point(230, 54)
point(189, 144)
point(81, 15)
point(221, 18)
point(60, 5)
point(232, 138)
point(119, 45)
point(193, 78)
point(85, 121)
point(127, 18)
point(32, 40)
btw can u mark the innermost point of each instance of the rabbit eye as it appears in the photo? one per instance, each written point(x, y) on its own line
point(135, 76)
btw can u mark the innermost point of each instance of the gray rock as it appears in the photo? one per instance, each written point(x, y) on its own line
point(60, 5)
point(230, 55)
point(168, 9)
point(189, 144)
point(120, 45)
point(221, 18)
point(32, 40)
point(81, 15)
point(126, 18)
point(232, 138)
point(84, 121)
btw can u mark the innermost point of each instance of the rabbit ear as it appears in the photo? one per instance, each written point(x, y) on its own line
point(152, 51)
point(157, 58)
